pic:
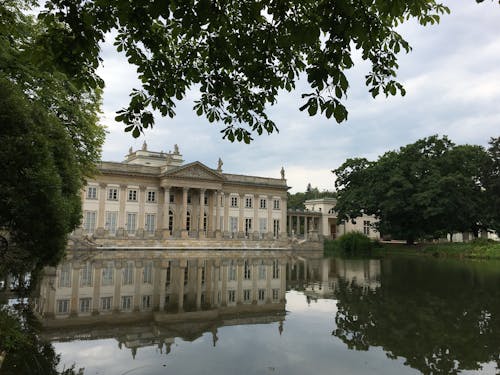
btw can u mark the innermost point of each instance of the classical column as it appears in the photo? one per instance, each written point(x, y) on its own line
point(138, 267)
point(283, 228)
point(226, 212)
point(305, 227)
point(75, 286)
point(96, 297)
point(102, 201)
point(201, 231)
point(198, 285)
point(212, 201)
point(118, 286)
point(162, 270)
point(217, 214)
point(256, 216)
point(121, 212)
point(182, 266)
point(270, 223)
point(224, 284)
point(241, 219)
point(140, 219)
point(166, 210)
point(239, 282)
point(184, 232)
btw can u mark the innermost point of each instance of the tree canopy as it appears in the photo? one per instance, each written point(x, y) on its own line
point(426, 189)
point(239, 54)
point(50, 140)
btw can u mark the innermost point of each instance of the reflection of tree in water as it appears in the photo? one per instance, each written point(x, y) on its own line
point(449, 323)
point(25, 352)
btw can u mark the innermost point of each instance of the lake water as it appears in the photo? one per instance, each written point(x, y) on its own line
point(271, 312)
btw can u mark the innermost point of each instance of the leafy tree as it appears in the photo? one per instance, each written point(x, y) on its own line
point(492, 185)
point(50, 140)
point(239, 53)
point(428, 188)
point(296, 201)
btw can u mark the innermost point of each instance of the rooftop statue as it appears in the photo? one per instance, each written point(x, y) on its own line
point(219, 165)
point(282, 173)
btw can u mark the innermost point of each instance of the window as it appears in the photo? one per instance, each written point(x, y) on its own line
point(107, 274)
point(147, 273)
point(246, 295)
point(128, 273)
point(262, 294)
point(86, 275)
point(276, 295)
point(262, 271)
point(248, 202)
point(151, 198)
point(246, 270)
point(106, 303)
point(231, 275)
point(111, 220)
point(276, 269)
point(92, 192)
point(188, 221)
point(146, 302)
point(189, 198)
point(262, 225)
point(186, 275)
point(263, 203)
point(366, 227)
point(248, 226)
point(331, 211)
point(231, 296)
point(131, 222)
point(126, 303)
point(65, 276)
point(85, 305)
point(276, 204)
point(112, 194)
point(276, 227)
point(222, 200)
point(62, 306)
point(89, 220)
point(205, 200)
point(233, 224)
point(171, 198)
point(234, 201)
point(132, 195)
point(150, 223)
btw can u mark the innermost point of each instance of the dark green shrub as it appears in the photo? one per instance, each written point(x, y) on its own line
point(354, 243)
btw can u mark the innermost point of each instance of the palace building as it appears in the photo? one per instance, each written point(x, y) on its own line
point(156, 196)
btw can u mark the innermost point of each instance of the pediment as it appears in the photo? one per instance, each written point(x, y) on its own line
point(195, 170)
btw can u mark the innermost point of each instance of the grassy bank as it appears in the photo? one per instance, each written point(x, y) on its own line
point(479, 249)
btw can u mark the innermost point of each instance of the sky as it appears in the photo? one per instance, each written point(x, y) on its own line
point(452, 79)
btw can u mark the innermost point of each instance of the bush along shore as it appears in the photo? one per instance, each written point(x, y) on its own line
point(357, 244)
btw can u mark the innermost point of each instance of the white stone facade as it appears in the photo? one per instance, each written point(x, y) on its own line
point(330, 227)
point(155, 195)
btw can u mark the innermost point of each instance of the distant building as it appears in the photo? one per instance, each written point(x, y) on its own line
point(319, 219)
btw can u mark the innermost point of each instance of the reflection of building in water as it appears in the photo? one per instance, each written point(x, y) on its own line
point(198, 291)
point(318, 278)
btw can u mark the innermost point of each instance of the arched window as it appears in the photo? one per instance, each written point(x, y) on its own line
point(331, 211)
